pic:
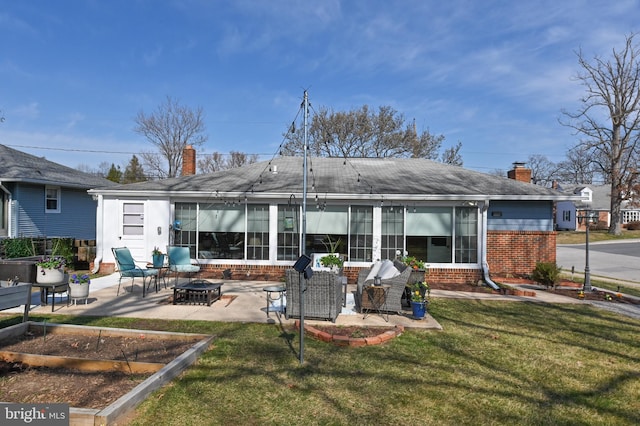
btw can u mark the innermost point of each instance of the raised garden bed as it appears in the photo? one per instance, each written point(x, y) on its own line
point(103, 373)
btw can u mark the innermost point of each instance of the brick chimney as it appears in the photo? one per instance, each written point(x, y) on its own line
point(520, 173)
point(188, 161)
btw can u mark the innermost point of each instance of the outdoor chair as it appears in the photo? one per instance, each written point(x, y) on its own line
point(394, 296)
point(128, 269)
point(180, 262)
point(322, 297)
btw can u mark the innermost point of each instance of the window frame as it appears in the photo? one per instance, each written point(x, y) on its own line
point(57, 199)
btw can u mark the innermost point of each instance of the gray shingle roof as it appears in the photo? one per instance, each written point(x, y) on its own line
point(18, 166)
point(388, 177)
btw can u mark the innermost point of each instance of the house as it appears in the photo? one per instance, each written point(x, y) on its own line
point(251, 220)
point(40, 198)
point(597, 201)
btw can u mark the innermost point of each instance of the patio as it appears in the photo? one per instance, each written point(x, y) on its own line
point(242, 301)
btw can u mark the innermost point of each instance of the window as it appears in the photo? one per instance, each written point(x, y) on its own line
point(566, 215)
point(258, 232)
point(429, 231)
point(186, 215)
point(133, 219)
point(466, 235)
point(52, 199)
point(327, 230)
point(288, 232)
point(361, 234)
point(223, 226)
point(392, 232)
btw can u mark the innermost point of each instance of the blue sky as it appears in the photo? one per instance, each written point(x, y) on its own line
point(494, 75)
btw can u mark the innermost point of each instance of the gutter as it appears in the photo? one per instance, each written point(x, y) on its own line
point(485, 264)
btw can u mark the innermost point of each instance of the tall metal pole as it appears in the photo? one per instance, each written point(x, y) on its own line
point(303, 244)
point(587, 272)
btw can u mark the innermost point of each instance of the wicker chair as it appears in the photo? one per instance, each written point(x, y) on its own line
point(394, 296)
point(322, 299)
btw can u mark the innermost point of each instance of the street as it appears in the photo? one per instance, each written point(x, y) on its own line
point(611, 259)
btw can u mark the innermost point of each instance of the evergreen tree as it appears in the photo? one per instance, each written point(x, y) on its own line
point(133, 172)
point(114, 174)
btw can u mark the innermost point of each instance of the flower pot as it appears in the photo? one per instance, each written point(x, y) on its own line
point(79, 291)
point(49, 275)
point(158, 260)
point(419, 309)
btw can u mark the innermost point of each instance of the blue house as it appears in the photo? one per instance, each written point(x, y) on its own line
point(40, 198)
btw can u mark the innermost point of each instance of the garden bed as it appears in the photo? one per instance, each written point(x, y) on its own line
point(100, 372)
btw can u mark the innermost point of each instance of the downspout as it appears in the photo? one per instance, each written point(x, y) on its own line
point(99, 234)
point(485, 264)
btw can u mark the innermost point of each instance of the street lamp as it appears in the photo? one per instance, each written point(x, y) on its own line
point(588, 217)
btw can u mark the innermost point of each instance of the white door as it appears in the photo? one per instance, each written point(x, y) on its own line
point(132, 228)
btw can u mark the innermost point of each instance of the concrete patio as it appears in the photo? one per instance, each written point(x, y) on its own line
point(242, 301)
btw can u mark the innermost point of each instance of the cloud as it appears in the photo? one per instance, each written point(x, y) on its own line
point(151, 57)
point(30, 111)
point(74, 118)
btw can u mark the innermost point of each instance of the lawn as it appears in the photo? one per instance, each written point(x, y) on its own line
point(575, 237)
point(494, 363)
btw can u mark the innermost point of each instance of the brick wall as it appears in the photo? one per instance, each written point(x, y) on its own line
point(516, 252)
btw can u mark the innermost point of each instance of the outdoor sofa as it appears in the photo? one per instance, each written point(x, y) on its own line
point(396, 283)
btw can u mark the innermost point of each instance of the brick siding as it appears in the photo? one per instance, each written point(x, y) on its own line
point(516, 252)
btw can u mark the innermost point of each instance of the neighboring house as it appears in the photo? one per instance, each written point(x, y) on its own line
point(250, 219)
point(597, 200)
point(40, 198)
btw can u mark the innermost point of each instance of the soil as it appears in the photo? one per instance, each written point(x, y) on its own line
point(24, 384)
point(572, 289)
point(352, 331)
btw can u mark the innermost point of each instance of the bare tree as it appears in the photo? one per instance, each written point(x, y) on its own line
point(543, 170)
point(452, 155)
point(216, 161)
point(363, 133)
point(577, 168)
point(170, 129)
point(609, 121)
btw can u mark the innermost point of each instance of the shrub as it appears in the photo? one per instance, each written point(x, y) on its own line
point(633, 226)
point(546, 273)
point(18, 247)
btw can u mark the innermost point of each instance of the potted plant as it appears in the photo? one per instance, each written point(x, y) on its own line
point(420, 292)
point(50, 270)
point(413, 263)
point(158, 257)
point(79, 287)
point(332, 261)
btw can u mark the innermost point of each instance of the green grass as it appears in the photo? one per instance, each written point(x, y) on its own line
point(574, 237)
point(494, 363)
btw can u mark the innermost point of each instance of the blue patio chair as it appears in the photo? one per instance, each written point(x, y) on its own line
point(128, 269)
point(180, 262)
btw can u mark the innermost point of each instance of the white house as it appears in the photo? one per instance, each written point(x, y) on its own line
point(251, 220)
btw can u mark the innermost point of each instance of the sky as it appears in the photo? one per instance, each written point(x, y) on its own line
point(493, 75)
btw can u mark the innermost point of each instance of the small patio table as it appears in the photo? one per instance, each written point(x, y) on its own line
point(270, 298)
point(53, 288)
point(377, 295)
